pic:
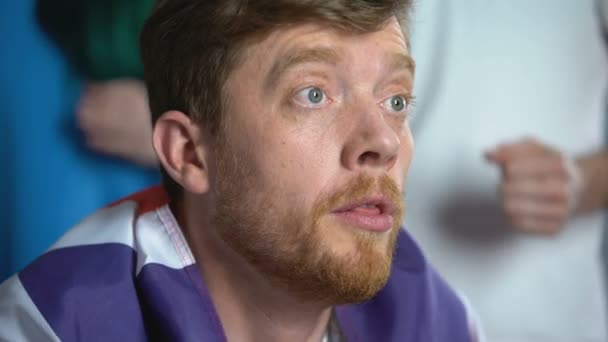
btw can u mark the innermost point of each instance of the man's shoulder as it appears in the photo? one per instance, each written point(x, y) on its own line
point(114, 223)
point(89, 276)
point(113, 234)
point(146, 200)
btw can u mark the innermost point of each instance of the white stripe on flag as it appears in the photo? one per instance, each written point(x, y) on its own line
point(20, 319)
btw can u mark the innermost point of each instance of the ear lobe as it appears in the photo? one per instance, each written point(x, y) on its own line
point(180, 147)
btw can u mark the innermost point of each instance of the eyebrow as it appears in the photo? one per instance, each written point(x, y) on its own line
point(299, 56)
point(403, 61)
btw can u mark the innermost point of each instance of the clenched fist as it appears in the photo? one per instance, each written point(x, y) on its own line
point(540, 188)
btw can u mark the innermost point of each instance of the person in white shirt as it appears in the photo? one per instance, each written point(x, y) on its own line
point(507, 91)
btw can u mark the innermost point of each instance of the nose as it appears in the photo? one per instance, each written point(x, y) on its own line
point(373, 143)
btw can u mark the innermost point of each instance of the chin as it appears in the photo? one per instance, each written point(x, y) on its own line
point(351, 251)
point(348, 240)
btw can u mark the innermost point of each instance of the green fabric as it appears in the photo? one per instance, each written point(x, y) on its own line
point(100, 37)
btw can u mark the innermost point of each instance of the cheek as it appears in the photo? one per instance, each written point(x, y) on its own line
point(299, 169)
point(406, 153)
point(407, 148)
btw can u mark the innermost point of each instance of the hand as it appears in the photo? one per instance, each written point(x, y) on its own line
point(540, 187)
point(115, 119)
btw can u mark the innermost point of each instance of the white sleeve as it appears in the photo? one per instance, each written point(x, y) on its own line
point(475, 326)
point(20, 319)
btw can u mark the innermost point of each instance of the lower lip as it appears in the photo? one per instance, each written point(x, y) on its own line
point(370, 222)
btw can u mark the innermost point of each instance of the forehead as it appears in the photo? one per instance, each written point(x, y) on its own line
point(284, 40)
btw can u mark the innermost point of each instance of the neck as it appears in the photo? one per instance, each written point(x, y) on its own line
point(250, 307)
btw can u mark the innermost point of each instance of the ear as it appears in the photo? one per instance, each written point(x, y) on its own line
point(182, 150)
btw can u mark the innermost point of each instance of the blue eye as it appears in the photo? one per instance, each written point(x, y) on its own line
point(311, 97)
point(397, 103)
point(315, 95)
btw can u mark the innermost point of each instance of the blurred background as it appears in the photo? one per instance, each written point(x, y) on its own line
point(510, 108)
point(505, 193)
point(58, 158)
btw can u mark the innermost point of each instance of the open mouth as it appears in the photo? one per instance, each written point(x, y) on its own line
point(372, 214)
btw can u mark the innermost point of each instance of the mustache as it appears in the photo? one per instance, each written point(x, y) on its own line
point(357, 189)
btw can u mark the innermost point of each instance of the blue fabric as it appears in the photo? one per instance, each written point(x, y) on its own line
point(415, 305)
point(48, 178)
point(90, 293)
point(127, 273)
point(107, 304)
point(177, 305)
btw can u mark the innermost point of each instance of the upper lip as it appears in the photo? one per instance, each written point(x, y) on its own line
point(382, 202)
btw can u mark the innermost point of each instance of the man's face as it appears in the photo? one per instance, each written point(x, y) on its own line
point(313, 159)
